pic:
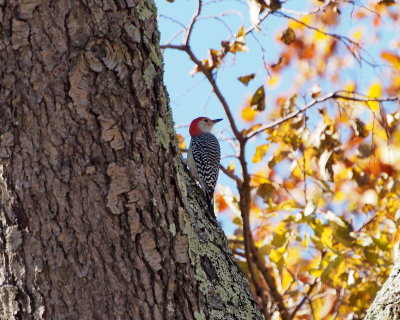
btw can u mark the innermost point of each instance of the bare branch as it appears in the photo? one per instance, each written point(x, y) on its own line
point(217, 92)
point(173, 46)
point(192, 22)
point(305, 298)
point(333, 95)
point(343, 39)
point(231, 175)
point(271, 284)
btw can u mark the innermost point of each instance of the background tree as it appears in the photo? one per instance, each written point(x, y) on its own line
point(317, 208)
point(98, 219)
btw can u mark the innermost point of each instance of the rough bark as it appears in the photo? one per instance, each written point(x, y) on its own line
point(386, 305)
point(98, 219)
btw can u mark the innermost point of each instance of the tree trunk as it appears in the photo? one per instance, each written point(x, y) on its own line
point(386, 305)
point(98, 219)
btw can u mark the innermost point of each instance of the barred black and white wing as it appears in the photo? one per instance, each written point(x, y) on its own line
point(206, 154)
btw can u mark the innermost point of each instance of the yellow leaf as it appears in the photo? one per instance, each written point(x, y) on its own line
point(357, 35)
point(375, 91)
point(248, 114)
point(239, 45)
point(181, 141)
point(298, 173)
point(350, 86)
point(286, 279)
point(295, 25)
point(273, 79)
point(326, 238)
point(277, 256)
point(246, 79)
point(231, 167)
point(332, 265)
point(260, 152)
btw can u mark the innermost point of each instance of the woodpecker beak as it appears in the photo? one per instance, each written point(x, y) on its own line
point(216, 120)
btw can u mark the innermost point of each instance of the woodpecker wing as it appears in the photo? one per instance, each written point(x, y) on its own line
point(207, 156)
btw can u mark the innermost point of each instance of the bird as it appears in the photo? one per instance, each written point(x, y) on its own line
point(204, 156)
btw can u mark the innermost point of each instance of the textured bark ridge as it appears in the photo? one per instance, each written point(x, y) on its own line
point(98, 219)
point(386, 305)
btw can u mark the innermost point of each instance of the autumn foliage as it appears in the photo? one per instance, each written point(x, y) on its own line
point(316, 205)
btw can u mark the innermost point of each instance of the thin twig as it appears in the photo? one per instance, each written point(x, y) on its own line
point(173, 20)
point(230, 174)
point(307, 296)
point(192, 22)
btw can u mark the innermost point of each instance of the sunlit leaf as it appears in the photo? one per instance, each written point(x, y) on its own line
point(261, 151)
point(181, 141)
point(273, 79)
point(286, 279)
point(392, 58)
point(246, 79)
point(277, 256)
point(374, 91)
point(239, 44)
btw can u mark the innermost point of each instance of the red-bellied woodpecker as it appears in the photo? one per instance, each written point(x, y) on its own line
point(204, 156)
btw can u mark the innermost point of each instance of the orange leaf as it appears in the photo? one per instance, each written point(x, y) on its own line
point(392, 58)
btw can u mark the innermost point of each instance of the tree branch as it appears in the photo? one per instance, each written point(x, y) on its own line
point(271, 284)
point(333, 95)
point(231, 175)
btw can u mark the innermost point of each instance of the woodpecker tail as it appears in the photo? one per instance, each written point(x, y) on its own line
point(210, 201)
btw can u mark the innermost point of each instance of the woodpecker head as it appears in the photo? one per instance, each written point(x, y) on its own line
point(202, 125)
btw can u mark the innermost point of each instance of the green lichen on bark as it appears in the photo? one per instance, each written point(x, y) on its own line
point(220, 280)
point(145, 9)
point(172, 229)
point(199, 315)
point(163, 134)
